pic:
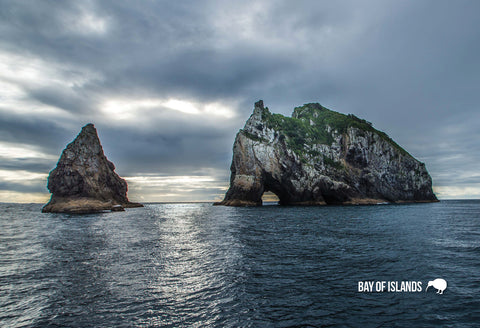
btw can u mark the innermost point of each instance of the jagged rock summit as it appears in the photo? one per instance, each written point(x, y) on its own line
point(319, 157)
point(84, 180)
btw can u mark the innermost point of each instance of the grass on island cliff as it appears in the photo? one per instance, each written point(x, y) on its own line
point(299, 131)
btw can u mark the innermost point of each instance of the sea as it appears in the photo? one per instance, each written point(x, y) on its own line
point(198, 265)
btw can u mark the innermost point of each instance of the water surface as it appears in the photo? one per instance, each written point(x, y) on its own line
point(195, 265)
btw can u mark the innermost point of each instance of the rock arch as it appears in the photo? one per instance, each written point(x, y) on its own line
point(307, 160)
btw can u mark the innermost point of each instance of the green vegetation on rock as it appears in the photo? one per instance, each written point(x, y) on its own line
point(330, 162)
point(298, 131)
point(308, 125)
point(253, 137)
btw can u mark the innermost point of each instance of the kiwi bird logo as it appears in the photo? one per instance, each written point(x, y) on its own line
point(439, 284)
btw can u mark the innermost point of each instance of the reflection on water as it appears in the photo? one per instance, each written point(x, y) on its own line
point(189, 278)
point(195, 265)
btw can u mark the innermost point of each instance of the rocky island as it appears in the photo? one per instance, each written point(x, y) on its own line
point(320, 157)
point(84, 180)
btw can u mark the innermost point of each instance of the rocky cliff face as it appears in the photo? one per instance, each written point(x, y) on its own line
point(84, 180)
point(320, 157)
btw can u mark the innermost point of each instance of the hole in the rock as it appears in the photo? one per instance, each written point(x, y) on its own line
point(269, 198)
point(332, 199)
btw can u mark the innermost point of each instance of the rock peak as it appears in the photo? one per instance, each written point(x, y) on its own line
point(89, 128)
point(257, 116)
point(84, 179)
point(308, 109)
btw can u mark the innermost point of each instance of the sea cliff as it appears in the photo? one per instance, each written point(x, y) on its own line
point(319, 157)
point(84, 180)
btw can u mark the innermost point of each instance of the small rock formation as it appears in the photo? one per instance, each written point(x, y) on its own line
point(84, 181)
point(320, 157)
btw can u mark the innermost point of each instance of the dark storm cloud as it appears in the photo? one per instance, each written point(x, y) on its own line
point(151, 47)
point(166, 151)
point(27, 164)
point(43, 133)
point(410, 67)
point(72, 101)
point(207, 74)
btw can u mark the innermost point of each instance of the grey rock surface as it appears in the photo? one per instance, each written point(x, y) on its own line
point(85, 180)
point(319, 157)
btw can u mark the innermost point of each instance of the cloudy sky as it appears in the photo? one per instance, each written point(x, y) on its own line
point(169, 83)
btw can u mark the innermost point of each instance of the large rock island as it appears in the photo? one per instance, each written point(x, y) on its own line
point(319, 157)
point(84, 181)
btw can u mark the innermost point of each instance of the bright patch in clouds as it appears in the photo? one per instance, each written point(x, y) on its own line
point(454, 192)
point(9, 196)
point(128, 109)
point(22, 176)
point(182, 106)
point(219, 110)
point(23, 70)
point(85, 21)
point(15, 150)
point(152, 188)
point(91, 24)
point(22, 74)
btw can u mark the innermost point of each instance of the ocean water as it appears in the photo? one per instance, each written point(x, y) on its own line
point(196, 265)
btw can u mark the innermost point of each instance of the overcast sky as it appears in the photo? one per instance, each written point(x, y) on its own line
point(169, 83)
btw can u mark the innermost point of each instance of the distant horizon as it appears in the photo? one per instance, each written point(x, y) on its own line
point(265, 201)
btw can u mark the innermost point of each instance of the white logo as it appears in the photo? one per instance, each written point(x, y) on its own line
point(439, 284)
point(369, 286)
point(390, 286)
